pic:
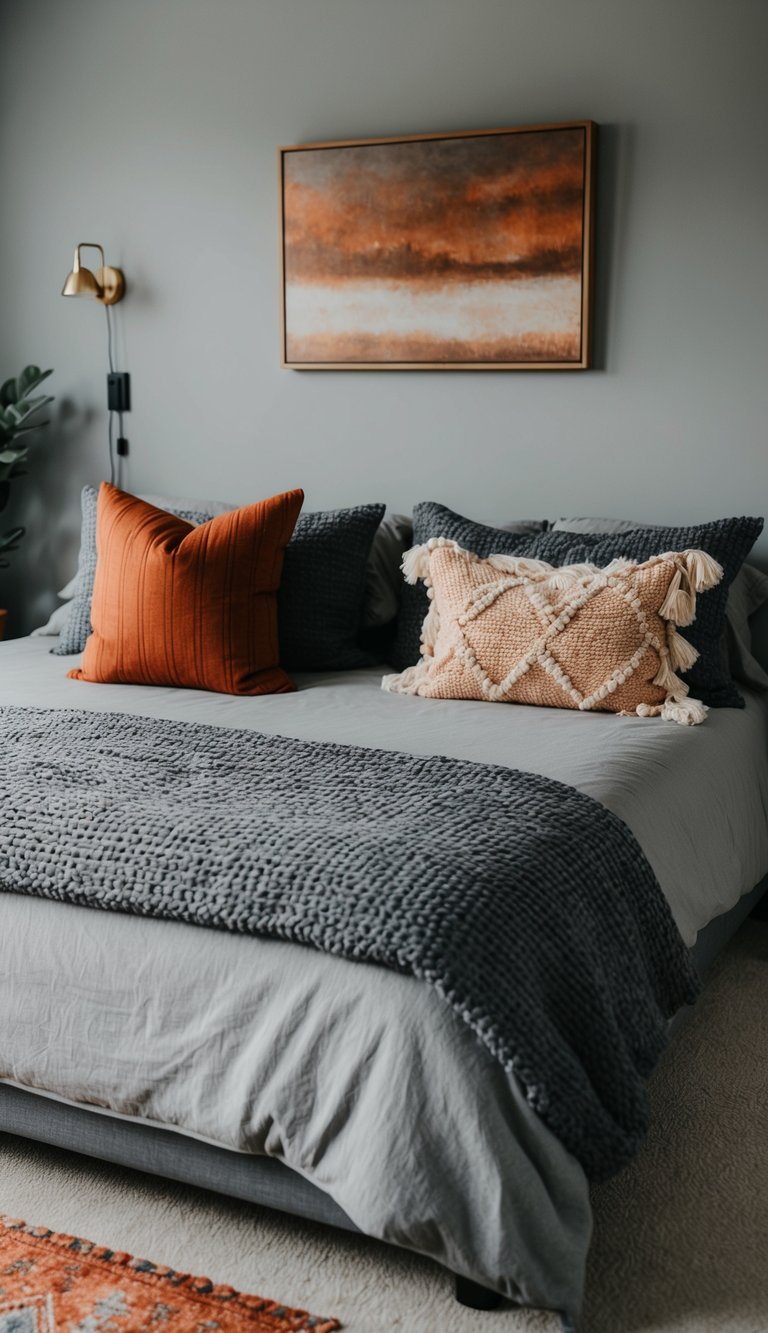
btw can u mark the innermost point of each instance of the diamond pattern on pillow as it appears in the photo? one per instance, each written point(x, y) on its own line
point(511, 630)
point(727, 540)
point(435, 520)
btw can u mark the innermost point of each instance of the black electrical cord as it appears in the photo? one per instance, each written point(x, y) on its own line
point(111, 453)
point(109, 339)
point(111, 414)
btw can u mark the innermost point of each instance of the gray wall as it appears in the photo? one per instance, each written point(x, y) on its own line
point(151, 126)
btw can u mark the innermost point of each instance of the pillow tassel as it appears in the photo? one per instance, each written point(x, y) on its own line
point(515, 564)
point(401, 682)
point(682, 654)
point(680, 602)
point(666, 679)
point(703, 571)
point(415, 564)
point(430, 629)
point(688, 712)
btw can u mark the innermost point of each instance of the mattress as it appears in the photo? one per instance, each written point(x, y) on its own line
point(360, 1079)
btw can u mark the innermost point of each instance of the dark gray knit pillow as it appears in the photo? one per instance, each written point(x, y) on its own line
point(435, 520)
point(78, 626)
point(729, 540)
point(320, 603)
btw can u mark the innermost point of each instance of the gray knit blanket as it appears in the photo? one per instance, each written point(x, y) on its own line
point(528, 906)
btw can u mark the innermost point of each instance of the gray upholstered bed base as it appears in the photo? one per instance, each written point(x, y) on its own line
point(260, 1180)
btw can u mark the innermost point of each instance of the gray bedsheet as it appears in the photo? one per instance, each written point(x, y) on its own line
point(358, 1078)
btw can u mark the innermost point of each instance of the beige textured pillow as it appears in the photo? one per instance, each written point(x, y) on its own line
point(512, 630)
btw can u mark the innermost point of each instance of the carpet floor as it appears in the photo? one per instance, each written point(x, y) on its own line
point(681, 1237)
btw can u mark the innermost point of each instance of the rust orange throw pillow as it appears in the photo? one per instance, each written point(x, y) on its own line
point(179, 605)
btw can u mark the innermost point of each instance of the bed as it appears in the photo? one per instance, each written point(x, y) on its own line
point(329, 1088)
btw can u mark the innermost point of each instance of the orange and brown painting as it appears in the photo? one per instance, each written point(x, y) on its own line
point(454, 250)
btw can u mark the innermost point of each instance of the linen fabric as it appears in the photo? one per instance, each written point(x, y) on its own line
point(435, 1115)
point(185, 606)
point(435, 520)
point(75, 623)
point(316, 843)
point(512, 630)
point(726, 540)
point(323, 589)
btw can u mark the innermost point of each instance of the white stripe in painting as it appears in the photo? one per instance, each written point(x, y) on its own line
point(465, 311)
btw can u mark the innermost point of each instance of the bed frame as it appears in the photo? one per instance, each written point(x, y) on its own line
point(260, 1180)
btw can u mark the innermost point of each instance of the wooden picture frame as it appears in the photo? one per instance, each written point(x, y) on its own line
point(462, 251)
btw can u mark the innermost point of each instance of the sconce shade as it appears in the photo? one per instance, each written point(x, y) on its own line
point(81, 282)
point(107, 285)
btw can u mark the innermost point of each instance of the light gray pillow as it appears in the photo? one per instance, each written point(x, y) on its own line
point(383, 579)
point(598, 525)
point(747, 595)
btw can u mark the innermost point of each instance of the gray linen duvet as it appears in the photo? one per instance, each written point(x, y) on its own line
point(361, 1079)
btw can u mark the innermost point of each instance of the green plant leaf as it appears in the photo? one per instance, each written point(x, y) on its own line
point(10, 469)
point(9, 456)
point(18, 412)
point(32, 425)
point(8, 393)
point(29, 379)
point(9, 539)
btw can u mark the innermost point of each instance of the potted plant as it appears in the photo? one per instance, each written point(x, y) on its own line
point(18, 416)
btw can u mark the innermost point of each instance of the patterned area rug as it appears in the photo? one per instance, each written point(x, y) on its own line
point(51, 1283)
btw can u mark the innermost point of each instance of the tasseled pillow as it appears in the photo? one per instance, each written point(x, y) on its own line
point(507, 629)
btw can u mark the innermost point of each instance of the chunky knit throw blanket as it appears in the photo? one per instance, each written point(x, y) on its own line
point(528, 906)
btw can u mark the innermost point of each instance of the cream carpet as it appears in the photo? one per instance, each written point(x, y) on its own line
point(681, 1243)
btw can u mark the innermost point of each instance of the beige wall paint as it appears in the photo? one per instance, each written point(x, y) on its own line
point(151, 126)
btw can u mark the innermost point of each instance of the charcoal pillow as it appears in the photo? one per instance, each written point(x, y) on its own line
point(435, 520)
point(728, 540)
point(75, 632)
point(320, 605)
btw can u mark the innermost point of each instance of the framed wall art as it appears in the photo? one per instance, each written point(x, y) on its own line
point(468, 251)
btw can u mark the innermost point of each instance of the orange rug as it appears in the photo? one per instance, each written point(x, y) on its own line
point(51, 1283)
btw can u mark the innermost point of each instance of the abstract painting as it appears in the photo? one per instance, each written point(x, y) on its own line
point(453, 251)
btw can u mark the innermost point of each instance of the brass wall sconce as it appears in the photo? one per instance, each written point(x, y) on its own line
point(106, 285)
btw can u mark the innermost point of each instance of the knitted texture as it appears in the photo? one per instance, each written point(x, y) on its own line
point(512, 630)
point(320, 604)
point(434, 520)
point(74, 635)
point(527, 905)
point(727, 540)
